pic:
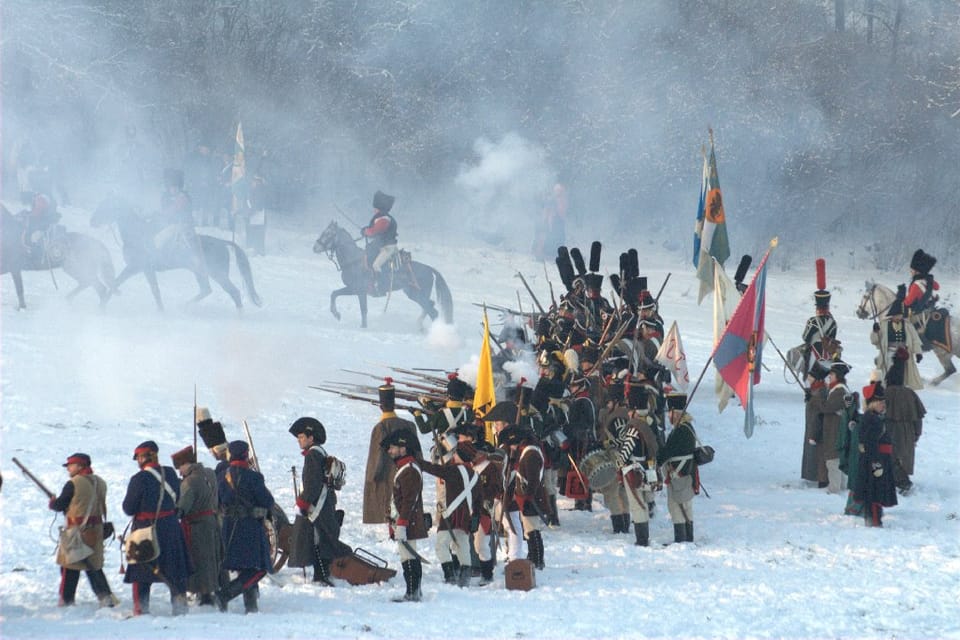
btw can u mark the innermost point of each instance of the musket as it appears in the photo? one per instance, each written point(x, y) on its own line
point(553, 298)
point(663, 286)
point(372, 401)
point(346, 217)
point(614, 340)
point(253, 452)
point(501, 309)
point(296, 494)
point(530, 291)
point(422, 376)
point(26, 472)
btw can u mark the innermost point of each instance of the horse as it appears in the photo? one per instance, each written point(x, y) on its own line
point(141, 255)
point(876, 301)
point(82, 257)
point(414, 278)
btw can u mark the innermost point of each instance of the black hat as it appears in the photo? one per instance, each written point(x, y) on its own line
point(676, 401)
point(637, 397)
point(840, 368)
point(464, 429)
point(616, 391)
point(211, 433)
point(503, 411)
point(238, 450)
point(820, 369)
point(518, 395)
point(383, 202)
point(922, 262)
point(456, 388)
point(896, 308)
point(387, 394)
point(515, 434)
point(594, 281)
point(821, 298)
point(144, 447)
point(647, 301)
point(78, 458)
point(309, 427)
point(184, 456)
point(874, 391)
point(589, 353)
point(401, 438)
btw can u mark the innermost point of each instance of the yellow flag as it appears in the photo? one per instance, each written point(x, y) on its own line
point(484, 398)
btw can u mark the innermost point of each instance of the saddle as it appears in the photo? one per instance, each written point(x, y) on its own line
point(934, 329)
point(47, 246)
point(396, 270)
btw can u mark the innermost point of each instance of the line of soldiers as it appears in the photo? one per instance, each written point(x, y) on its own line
point(208, 522)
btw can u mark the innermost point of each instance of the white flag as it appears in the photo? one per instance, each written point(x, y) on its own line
point(672, 356)
point(725, 299)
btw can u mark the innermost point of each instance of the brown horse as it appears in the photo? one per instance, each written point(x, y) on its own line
point(82, 257)
point(414, 278)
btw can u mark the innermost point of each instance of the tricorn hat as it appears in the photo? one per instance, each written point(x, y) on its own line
point(310, 427)
point(184, 456)
point(840, 368)
point(401, 438)
point(383, 202)
point(503, 411)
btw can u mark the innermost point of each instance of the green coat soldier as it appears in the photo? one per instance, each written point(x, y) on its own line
point(680, 469)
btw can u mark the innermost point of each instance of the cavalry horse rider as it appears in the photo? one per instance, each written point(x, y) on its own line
point(381, 235)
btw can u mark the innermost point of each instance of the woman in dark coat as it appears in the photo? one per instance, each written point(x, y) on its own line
point(244, 502)
point(875, 482)
point(173, 565)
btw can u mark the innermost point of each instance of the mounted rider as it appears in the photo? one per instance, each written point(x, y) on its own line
point(42, 214)
point(381, 235)
point(920, 295)
point(177, 233)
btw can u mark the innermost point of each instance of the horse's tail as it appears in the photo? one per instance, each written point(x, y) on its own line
point(243, 264)
point(443, 296)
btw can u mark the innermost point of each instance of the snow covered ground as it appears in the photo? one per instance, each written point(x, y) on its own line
point(773, 557)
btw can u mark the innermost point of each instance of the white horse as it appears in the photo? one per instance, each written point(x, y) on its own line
point(874, 305)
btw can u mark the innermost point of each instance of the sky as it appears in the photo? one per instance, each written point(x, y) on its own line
point(773, 556)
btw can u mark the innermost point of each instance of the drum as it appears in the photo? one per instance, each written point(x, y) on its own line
point(599, 468)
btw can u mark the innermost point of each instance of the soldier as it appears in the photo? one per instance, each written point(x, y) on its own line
point(811, 467)
point(893, 333)
point(820, 333)
point(637, 460)
point(197, 508)
point(921, 294)
point(83, 501)
point(213, 438)
point(406, 524)
point(378, 481)
point(832, 407)
point(612, 420)
point(244, 502)
point(454, 413)
point(904, 421)
point(178, 232)
point(680, 470)
point(318, 499)
point(152, 495)
point(476, 454)
point(381, 235)
point(455, 508)
point(525, 492)
point(875, 478)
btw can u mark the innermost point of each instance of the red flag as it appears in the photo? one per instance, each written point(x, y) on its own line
point(739, 352)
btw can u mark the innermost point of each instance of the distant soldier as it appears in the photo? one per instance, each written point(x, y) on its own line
point(525, 486)
point(317, 499)
point(381, 235)
point(244, 502)
point(83, 500)
point(455, 511)
point(178, 234)
point(406, 524)
point(893, 333)
point(921, 294)
point(876, 488)
point(904, 421)
point(832, 407)
point(378, 481)
point(637, 461)
point(213, 438)
point(454, 412)
point(197, 507)
point(151, 498)
point(820, 332)
point(680, 469)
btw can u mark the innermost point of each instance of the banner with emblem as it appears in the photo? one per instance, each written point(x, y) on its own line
point(673, 357)
point(738, 354)
point(484, 398)
point(710, 236)
point(725, 297)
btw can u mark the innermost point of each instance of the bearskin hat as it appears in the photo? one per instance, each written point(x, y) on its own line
point(922, 262)
point(383, 202)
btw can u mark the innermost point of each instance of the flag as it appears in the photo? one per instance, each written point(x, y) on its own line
point(725, 297)
point(710, 238)
point(672, 356)
point(738, 354)
point(698, 229)
point(484, 398)
point(239, 171)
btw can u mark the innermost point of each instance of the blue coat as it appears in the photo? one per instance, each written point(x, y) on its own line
point(243, 498)
point(141, 500)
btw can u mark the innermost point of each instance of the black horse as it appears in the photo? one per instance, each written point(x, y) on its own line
point(82, 257)
point(141, 255)
point(414, 278)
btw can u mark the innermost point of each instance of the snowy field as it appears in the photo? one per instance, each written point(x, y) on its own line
point(773, 557)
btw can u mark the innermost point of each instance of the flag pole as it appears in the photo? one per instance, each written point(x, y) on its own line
point(694, 390)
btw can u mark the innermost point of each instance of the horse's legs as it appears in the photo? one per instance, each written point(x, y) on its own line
point(946, 360)
point(124, 275)
point(333, 300)
point(224, 281)
point(18, 285)
point(204, 283)
point(151, 277)
point(362, 297)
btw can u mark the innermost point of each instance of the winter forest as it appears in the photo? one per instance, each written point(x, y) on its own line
point(837, 115)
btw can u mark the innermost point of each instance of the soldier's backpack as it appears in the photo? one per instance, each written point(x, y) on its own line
point(336, 473)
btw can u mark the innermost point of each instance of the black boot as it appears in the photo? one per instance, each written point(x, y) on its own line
point(69, 578)
point(680, 532)
point(449, 577)
point(642, 532)
point(554, 518)
point(463, 577)
point(616, 523)
point(228, 592)
point(207, 599)
point(624, 523)
point(651, 507)
point(689, 528)
point(486, 572)
point(412, 574)
point(321, 572)
point(417, 579)
point(141, 598)
point(535, 549)
point(250, 598)
point(101, 588)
